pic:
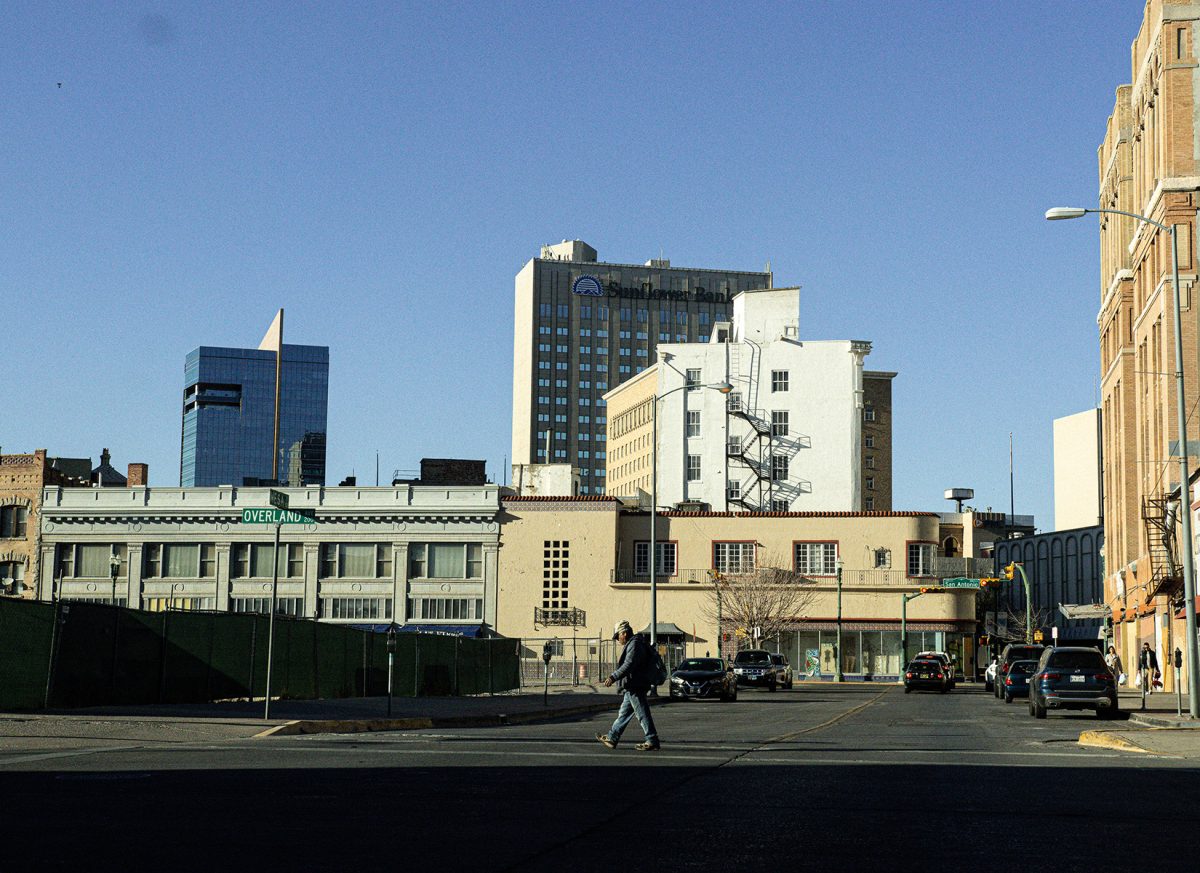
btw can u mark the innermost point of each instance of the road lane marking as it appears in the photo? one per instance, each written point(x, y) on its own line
point(77, 753)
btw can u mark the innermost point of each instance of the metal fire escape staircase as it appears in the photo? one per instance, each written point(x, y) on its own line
point(1166, 576)
point(754, 450)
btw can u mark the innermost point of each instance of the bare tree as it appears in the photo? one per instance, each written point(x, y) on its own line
point(1014, 620)
point(768, 599)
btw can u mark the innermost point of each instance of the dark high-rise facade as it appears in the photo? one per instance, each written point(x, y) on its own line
point(229, 416)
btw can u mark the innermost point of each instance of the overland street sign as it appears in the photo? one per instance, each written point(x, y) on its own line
point(278, 516)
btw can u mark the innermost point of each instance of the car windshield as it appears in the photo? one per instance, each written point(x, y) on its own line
point(1023, 667)
point(777, 659)
point(752, 658)
point(1077, 661)
point(926, 664)
point(708, 665)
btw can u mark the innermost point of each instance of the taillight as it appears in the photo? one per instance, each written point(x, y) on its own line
point(1104, 677)
point(908, 675)
point(1008, 681)
point(939, 675)
point(1052, 675)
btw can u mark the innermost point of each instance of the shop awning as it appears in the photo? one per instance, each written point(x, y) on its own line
point(666, 629)
point(1084, 610)
point(445, 630)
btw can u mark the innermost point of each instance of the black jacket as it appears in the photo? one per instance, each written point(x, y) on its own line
point(1147, 658)
point(634, 665)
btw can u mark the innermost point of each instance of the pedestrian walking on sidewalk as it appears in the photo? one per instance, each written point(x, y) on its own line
point(1148, 668)
point(1113, 660)
point(633, 677)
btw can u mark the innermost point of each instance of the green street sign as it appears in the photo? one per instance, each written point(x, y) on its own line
point(278, 516)
point(960, 582)
point(278, 499)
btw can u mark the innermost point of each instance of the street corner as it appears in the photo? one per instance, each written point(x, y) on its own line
point(1116, 740)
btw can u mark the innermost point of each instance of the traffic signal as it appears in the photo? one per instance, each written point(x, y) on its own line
point(983, 640)
point(1009, 570)
point(931, 588)
point(988, 582)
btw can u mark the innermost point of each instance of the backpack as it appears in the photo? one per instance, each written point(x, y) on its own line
point(658, 670)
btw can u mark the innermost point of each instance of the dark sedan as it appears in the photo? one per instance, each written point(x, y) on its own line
point(701, 678)
point(926, 674)
point(1016, 683)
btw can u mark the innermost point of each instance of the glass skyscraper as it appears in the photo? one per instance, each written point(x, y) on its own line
point(229, 416)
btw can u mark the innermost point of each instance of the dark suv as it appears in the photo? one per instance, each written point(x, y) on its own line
point(754, 667)
point(1072, 677)
point(1013, 652)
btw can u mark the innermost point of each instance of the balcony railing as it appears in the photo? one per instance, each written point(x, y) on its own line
point(559, 617)
point(850, 578)
point(627, 576)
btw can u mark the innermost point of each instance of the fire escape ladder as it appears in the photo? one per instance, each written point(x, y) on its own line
point(1165, 574)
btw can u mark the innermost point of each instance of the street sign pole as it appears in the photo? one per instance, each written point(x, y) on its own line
point(271, 621)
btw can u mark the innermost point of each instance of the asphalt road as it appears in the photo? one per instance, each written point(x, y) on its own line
point(856, 777)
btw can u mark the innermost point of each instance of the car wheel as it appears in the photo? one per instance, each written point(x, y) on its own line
point(987, 686)
point(1038, 711)
point(907, 689)
point(1007, 697)
point(771, 686)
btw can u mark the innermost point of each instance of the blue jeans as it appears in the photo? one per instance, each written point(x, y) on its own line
point(634, 703)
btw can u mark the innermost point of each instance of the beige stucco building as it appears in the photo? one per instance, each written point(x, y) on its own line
point(1149, 164)
point(573, 567)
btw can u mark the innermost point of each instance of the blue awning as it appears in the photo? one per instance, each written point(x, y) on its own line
point(446, 630)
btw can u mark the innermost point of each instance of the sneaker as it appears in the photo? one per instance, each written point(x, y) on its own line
point(603, 738)
point(647, 747)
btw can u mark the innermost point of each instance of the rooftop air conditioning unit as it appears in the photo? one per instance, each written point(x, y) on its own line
point(691, 506)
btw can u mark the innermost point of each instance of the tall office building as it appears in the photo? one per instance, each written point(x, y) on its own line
point(255, 416)
point(583, 327)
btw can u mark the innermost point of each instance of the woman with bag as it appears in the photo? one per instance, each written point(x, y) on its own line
point(1113, 660)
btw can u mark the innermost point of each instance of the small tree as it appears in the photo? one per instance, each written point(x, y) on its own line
point(767, 598)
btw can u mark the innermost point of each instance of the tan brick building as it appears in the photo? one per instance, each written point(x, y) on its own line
point(1148, 165)
point(572, 567)
point(22, 478)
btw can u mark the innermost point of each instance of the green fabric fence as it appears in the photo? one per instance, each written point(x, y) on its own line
point(85, 654)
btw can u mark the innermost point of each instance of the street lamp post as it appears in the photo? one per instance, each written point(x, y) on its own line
point(724, 388)
point(837, 649)
point(114, 566)
point(1185, 489)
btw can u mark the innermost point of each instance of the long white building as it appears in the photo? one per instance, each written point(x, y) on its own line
point(787, 437)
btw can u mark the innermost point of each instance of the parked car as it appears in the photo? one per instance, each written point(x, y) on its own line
point(1073, 677)
point(783, 670)
point(1016, 683)
point(702, 678)
point(754, 667)
point(947, 663)
point(1014, 652)
point(989, 676)
point(926, 674)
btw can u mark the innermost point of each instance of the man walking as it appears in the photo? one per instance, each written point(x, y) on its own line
point(1148, 668)
point(633, 677)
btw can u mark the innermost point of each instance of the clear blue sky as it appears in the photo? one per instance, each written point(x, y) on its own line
point(382, 171)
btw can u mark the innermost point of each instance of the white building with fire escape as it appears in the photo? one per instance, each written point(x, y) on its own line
point(753, 419)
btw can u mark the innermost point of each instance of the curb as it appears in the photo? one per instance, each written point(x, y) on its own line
point(370, 725)
point(1109, 740)
point(1161, 721)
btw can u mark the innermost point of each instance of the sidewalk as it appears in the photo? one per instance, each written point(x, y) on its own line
point(1157, 730)
point(243, 719)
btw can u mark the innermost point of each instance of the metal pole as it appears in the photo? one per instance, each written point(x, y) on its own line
point(271, 622)
point(53, 634)
point(903, 631)
point(391, 660)
point(837, 653)
point(1185, 498)
point(1028, 605)
point(653, 519)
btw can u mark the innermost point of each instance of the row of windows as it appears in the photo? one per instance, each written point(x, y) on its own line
point(253, 561)
point(808, 558)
